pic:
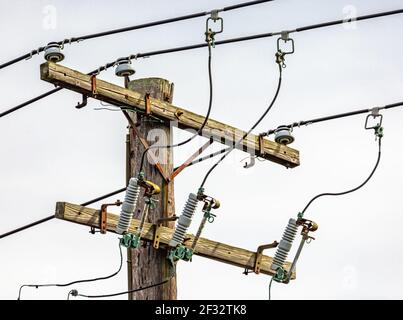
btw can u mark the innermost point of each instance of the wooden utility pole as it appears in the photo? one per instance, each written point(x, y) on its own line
point(147, 265)
point(155, 111)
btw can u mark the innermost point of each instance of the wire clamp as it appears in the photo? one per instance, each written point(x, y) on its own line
point(378, 126)
point(210, 33)
point(280, 54)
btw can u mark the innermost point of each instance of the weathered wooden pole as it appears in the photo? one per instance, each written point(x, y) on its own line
point(147, 265)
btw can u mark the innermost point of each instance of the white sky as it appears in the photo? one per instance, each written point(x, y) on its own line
point(52, 152)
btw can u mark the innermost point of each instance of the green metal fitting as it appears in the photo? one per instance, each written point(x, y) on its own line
point(180, 253)
point(130, 240)
point(379, 131)
point(280, 275)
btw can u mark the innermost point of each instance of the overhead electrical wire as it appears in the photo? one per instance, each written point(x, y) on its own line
point(76, 281)
point(221, 42)
point(33, 224)
point(350, 190)
point(249, 131)
point(75, 293)
point(303, 123)
point(132, 28)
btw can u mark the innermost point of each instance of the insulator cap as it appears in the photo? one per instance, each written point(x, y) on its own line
point(283, 135)
point(53, 52)
point(124, 68)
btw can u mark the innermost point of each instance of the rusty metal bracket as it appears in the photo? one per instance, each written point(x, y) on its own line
point(94, 85)
point(259, 255)
point(188, 161)
point(261, 142)
point(103, 215)
point(157, 233)
point(147, 104)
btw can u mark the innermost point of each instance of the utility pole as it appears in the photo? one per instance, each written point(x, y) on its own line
point(147, 265)
point(151, 98)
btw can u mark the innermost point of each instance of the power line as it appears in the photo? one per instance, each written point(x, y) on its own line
point(227, 41)
point(77, 281)
point(75, 293)
point(250, 130)
point(304, 123)
point(336, 116)
point(28, 102)
point(131, 28)
point(350, 190)
point(52, 216)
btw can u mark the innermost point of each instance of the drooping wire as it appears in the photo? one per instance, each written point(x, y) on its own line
point(353, 189)
point(202, 45)
point(210, 103)
point(121, 293)
point(131, 28)
point(75, 293)
point(271, 281)
point(33, 224)
point(249, 131)
point(76, 281)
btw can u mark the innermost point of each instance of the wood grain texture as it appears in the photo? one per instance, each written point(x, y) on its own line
point(146, 264)
point(220, 132)
point(206, 248)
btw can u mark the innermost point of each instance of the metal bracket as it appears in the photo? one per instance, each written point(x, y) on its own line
point(94, 85)
point(157, 237)
point(147, 104)
point(83, 103)
point(251, 163)
point(103, 215)
point(261, 141)
point(259, 255)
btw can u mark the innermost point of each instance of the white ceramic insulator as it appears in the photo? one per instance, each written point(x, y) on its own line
point(128, 206)
point(184, 220)
point(285, 244)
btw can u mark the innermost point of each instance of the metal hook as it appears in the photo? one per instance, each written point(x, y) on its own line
point(83, 103)
point(251, 163)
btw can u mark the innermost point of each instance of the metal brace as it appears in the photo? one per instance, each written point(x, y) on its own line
point(103, 216)
point(157, 238)
point(261, 141)
point(147, 104)
point(259, 255)
point(94, 85)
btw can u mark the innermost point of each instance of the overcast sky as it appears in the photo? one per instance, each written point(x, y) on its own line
point(52, 152)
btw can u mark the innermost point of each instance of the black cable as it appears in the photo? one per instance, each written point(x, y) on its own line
point(77, 281)
point(303, 123)
point(52, 216)
point(201, 127)
point(250, 130)
point(227, 41)
point(336, 116)
point(123, 292)
point(351, 190)
point(22, 105)
point(131, 28)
